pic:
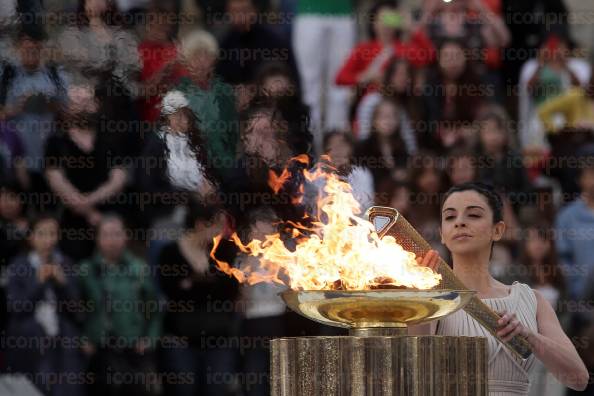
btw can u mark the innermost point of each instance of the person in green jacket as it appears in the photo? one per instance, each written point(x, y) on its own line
point(212, 101)
point(123, 319)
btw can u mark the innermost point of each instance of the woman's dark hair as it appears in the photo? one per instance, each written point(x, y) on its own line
point(391, 68)
point(466, 101)
point(277, 69)
point(110, 17)
point(488, 191)
point(386, 190)
point(290, 113)
point(37, 219)
point(374, 11)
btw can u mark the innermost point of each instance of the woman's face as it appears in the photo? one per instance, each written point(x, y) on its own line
point(201, 64)
point(10, 206)
point(111, 239)
point(387, 120)
point(179, 122)
point(95, 8)
point(261, 137)
point(462, 170)
point(493, 138)
point(537, 247)
point(467, 223)
point(429, 181)
point(401, 78)
point(44, 236)
point(452, 61)
point(339, 150)
point(379, 27)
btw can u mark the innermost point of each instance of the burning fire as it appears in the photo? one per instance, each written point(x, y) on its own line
point(340, 250)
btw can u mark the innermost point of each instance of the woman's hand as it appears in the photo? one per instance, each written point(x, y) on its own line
point(431, 260)
point(510, 326)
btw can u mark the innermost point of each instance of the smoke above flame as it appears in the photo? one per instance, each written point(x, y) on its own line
point(336, 250)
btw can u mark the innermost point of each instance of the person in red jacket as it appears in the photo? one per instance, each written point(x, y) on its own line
point(365, 65)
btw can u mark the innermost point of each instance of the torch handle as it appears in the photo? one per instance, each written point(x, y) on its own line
point(481, 312)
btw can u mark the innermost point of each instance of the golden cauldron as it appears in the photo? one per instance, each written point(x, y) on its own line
point(378, 357)
point(388, 309)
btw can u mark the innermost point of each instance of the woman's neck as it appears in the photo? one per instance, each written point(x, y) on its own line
point(473, 271)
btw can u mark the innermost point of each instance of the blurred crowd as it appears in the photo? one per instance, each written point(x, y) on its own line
point(133, 132)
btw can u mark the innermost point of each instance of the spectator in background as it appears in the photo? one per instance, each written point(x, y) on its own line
point(387, 149)
point(453, 96)
point(175, 157)
point(211, 100)
point(124, 321)
point(462, 166)
point(160, 64)
point(537, 266)
point(265, 315)
point(97, 47)
point(480, 26)
point(391, 35)
point(188, 167)
point(276, 81)
point(576, 107)
point(273, 133)
point(13, 231)
point(496, 148)
point(13, 221)
point(395, 194)
point(553, 75)
point(328, 24)
point(198, 297)
point(84, 171)
point(12, 154)
point(574, 224)
point(44, 305)
point(31, 94)
point(247, 46)
point(427, 180)
point(340, 149)
point(397, 85)
point(538, 260)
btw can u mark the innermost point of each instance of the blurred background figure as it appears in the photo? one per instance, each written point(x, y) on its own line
point(32, 93)
point(46, 278)
point(264, 312)
point(123, 323)
point(84, 169)
point(200, 323)
point(212, 101)
point(330, 25)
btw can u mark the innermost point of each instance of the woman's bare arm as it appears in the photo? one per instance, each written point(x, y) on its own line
point(555, 350)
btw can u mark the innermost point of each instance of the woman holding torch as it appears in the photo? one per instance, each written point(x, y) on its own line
point(471, 221)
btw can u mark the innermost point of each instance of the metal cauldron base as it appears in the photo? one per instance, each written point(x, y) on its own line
point(379, 366)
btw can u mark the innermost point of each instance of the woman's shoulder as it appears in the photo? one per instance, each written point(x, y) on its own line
point(526, 293)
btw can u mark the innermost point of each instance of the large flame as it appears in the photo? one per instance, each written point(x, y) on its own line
point(340, 250)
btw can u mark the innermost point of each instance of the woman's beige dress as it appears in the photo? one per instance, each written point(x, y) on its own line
point(508, 375)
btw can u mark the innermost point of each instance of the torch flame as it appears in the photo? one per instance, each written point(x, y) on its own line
point(340, 250)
